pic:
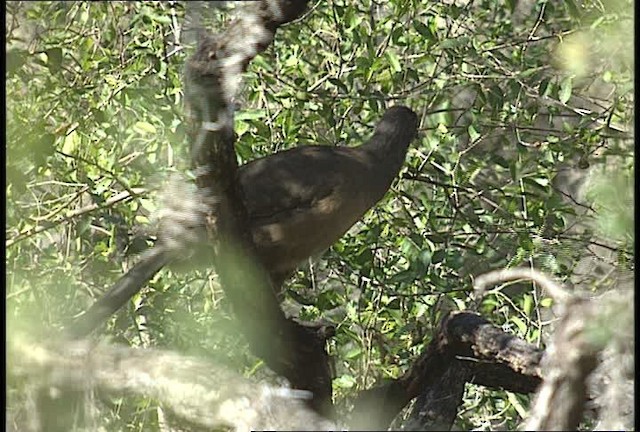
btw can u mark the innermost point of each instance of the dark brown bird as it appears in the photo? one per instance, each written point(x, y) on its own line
point(299, 202)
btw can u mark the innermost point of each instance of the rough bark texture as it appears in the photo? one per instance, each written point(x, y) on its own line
point(436, 407)
point(464, 342)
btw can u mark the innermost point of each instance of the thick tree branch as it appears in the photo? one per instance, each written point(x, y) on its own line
point(436, 407)
point(464, 342)
point(212, 77)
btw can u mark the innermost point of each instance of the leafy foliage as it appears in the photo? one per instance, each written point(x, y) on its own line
point(520, 103)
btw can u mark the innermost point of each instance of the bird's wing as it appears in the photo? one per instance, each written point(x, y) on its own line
point(288, 182)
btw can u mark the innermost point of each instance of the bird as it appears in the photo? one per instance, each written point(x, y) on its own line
point(299, 202)
point(302, 200)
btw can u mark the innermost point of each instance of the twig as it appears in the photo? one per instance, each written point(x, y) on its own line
point(556, 291)
point(122, 196)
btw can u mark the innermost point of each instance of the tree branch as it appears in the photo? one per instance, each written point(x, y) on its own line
point(465, 345)
point(197, 392)
point(212, 78)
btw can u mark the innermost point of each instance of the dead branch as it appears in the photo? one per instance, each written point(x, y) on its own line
point(465, 345)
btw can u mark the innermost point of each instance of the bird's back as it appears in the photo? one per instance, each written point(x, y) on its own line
point(301, 201)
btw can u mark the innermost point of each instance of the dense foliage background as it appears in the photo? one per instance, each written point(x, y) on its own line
point(525, 158)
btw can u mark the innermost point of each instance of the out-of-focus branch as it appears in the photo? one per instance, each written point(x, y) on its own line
point(198, 392)
point(212, 77)
point(570, 359)
point(70, 215)
point(553, 289)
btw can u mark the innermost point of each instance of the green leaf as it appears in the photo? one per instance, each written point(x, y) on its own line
point(393, 60)
point(344, 381)
point(250, 114)
point(71, 141)
point(144, 128)
point(438, 256)
point(354, 352)
point(566, 85)
point(522, 327)
point(543, 88)
point(148, 205)
point(54, 59)
point(473, 134)
point(457, 42)
point(544, 182)
point(527, 306)
point(422, 29)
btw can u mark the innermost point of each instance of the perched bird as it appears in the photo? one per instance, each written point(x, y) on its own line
point(299, 202)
